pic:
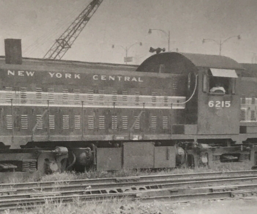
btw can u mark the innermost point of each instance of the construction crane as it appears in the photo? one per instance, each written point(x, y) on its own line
point(65, 41)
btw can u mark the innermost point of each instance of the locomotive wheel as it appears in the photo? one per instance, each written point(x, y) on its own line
point(47, 164)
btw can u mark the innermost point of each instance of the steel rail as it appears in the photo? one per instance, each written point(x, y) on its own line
point(124, 179)
point(119, 188)
point(165, 194)
point(128, 185)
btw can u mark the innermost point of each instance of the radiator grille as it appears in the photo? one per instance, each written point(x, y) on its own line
point(65, 122)
point(165, 122)
point(51, 122)
point(153, 122)
point(91, 122)
point(77, 122)
point(9, 122)
point(24, 121)
point(124, 122)
point(114, 122)
point(102, 122)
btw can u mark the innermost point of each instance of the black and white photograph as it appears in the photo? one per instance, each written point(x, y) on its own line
point(128, 106)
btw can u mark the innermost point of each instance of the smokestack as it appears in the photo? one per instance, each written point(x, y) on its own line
point(13, 54)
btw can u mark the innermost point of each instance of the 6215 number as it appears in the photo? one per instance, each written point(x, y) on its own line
point(219, 104)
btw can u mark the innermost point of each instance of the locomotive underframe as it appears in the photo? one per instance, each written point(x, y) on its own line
point(48, 157)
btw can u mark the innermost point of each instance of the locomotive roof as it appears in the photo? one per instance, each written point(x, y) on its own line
point(198, 60)
point(64, 64)
point(212, 61)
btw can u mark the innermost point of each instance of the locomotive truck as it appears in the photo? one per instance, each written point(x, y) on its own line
point(175, 109)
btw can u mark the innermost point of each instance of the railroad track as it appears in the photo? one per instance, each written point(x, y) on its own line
point(144, 188)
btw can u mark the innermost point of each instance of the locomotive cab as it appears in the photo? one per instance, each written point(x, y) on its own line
point(218, 102)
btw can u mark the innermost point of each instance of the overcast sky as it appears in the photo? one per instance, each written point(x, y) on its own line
point(123, 22)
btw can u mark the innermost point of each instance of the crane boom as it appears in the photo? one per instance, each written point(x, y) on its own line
point(65, 41)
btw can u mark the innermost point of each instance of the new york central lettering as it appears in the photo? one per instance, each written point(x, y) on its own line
point(117, 78)
point(20, 73)
point(59, 75)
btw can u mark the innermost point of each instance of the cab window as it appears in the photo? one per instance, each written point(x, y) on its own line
point(218, 85)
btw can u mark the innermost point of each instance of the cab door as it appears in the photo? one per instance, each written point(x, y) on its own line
point(218, 103)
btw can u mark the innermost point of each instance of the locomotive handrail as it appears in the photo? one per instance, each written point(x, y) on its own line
point(196, 75)
point(159, 102)
point(137, 118)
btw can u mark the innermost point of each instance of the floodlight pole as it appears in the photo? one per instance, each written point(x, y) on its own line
point(126, 49)
point(221, 42)
point(166, 33)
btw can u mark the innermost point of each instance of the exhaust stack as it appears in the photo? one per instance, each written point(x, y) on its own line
point(13, 52)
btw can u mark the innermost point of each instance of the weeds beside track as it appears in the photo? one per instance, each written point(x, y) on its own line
point(142, 188)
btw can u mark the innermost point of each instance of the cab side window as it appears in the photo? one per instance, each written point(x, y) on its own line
point(218, 85)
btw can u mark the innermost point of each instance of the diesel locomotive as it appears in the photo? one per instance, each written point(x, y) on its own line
point(175, 109)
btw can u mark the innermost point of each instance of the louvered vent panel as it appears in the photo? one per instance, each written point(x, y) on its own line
point(124, 99)
point(102, 122)
point(65, 122)
point(91, 122)
point(51, 95)
point(77, 96)
point(65, 95)
point(114, 98)
point(154, 99)
point(101, 99)
point(9, 122)
point(24, 121)
point(39, 121)
point(38, 94)
point(137, 100)
point(153, 122)
point(165, 122)
point(90, 97)
point(114, 122)
point(77, 121)
point(165, 99)
point(137, 123)
point(51, 122)
point(124, 122)
point(9, 94)
point(23, 91)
